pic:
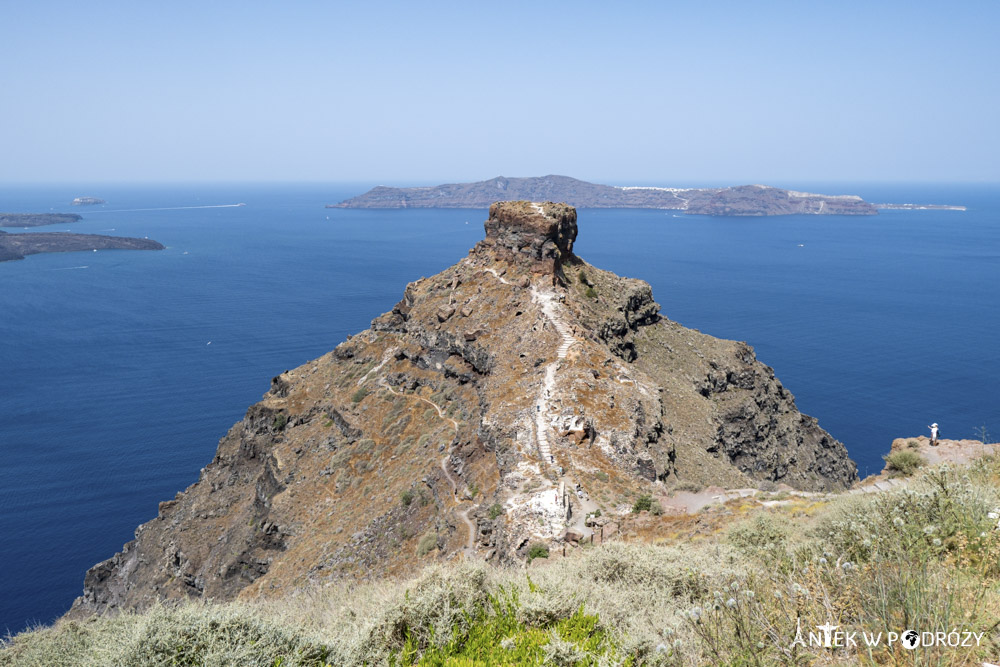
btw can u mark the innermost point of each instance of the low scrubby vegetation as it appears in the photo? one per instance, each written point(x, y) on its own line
point(923, 557)
point(537, 550)
point(904, 462)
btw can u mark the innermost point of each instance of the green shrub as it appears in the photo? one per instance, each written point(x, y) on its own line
point(427, 544)
point(496, 509)
point(690, 487)
point(582, 277)
point(655, 508)
point(643, 504)
point(280, 420)
point(904, 462)
point(591, 293)
point(359, 395)
point(763, 534)
point(407, 497)
point(537, 550)
point(601, 475)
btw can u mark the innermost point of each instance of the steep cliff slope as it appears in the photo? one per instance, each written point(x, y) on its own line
point(497, 403)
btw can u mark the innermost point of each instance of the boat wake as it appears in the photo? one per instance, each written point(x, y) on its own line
point(168, 208)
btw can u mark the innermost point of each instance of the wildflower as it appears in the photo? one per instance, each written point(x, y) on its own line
point(847, 566)
point(695, 613)
point(897, 522)
point(731, 602)
point(936, 542)
point(778, 595)
point(866, 543)
point(760, 644)
point(822, 561)
point(930, 530)
point(661, 648)
point(748, 594)
point(995, 514)
point(735, 586)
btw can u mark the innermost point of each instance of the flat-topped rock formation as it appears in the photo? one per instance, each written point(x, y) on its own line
point(36, 219)
point(747, 200)
point(497, 403)
point(18, 246)
point(543, 233)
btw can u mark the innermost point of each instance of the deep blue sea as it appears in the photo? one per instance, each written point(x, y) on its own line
point(120, 370)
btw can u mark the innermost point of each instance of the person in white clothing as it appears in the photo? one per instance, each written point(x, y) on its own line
point(934, 434)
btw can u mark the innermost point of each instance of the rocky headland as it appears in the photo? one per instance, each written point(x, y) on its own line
point(746, 200)
point(511, 398)
point(18, 246)
point(37, 219)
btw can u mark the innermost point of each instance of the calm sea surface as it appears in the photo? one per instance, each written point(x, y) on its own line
point(120, 370)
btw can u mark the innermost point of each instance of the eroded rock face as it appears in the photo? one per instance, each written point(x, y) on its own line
point(458, 421)
point(542, 233)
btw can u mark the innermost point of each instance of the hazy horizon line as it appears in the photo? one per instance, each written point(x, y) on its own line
point(424, 182)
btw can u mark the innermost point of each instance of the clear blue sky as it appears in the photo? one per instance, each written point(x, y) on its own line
point(659, 92)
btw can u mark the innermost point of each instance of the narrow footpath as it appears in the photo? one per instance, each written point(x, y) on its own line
point(470, 547)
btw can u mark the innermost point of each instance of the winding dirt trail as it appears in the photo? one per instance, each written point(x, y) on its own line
point(470, 548)
point(547, 301)
point(549, 305)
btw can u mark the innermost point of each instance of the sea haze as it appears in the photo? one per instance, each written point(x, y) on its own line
point(122, 369)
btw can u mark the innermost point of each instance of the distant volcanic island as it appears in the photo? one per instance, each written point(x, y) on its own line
point(18, 246)
point(743, 200)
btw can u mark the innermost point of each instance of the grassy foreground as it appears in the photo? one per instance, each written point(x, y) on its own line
point(925, 557)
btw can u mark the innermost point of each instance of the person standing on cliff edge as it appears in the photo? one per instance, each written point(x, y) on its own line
point(934, 433)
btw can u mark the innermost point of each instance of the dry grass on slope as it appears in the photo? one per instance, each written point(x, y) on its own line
point(923, 557)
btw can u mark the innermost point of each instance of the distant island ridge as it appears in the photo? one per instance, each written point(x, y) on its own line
point(18, 246)
point(743, 200)
point(87, 201)
point(37, 219)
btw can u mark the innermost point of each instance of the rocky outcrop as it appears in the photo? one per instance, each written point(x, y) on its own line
point(498, 403)
point(542, 234)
